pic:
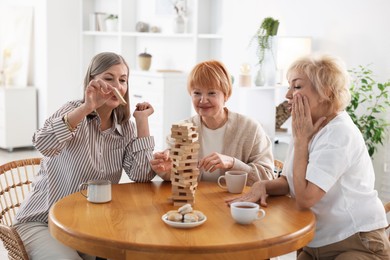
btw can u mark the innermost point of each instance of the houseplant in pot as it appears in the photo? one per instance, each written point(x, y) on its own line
point(264, 39)
point(112, 23)
point(369, 102)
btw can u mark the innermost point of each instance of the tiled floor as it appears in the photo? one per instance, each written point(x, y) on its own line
point(6, 156)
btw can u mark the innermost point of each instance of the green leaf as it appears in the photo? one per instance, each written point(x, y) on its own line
point(369, 99)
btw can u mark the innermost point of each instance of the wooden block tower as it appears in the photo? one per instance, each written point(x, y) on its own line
point(185, 172)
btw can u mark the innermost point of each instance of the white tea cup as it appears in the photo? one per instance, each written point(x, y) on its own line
point(244, 212)
point(98, 191)
point(235, 181)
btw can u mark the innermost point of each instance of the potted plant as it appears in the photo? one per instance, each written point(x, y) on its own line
point(369, 102)
point(268, 28)
point(112, 23)
point(263, 37)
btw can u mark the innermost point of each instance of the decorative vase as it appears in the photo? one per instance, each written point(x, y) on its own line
point(112, 25)
point(260, 77)
point(179, 24)
point(144, 60)
point(270, 68)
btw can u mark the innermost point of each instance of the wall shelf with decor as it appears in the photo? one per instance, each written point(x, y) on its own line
point(201, 40)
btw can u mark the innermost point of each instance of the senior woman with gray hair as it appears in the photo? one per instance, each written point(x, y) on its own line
point(328, 168)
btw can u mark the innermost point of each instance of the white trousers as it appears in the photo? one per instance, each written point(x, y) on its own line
point(40, 245)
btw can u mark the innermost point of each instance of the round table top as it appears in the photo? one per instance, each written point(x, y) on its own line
point(130, 226)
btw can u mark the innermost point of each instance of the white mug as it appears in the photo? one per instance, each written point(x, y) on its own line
point(98, 191)
point(235, 181)
point(244, 212)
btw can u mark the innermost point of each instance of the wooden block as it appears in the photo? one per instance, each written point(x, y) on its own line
point(187, 146)
point(186, 161)
point(191, 156)
point(179, 191)
point(186, 175)
point(179, 154)
point(184, 134)
point(183, 124)
point(179, 197)
point(193, 162)
point(182, 155)
point(186, 185)
point(178, 187)
point(183, 202)
point(183, 167)
point(194, 171)
point(186, 141)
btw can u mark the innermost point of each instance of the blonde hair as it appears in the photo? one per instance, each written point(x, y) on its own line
point(211, 75)
point(328, 76)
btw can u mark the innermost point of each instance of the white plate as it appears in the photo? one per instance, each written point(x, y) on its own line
point(182, 224)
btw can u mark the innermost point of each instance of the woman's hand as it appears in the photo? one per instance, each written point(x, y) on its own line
point(161, 162)
point(141, 114)
point(302, 124)
point(143, 110)
point(257, 193)
point(216, 161)
point(97, 93)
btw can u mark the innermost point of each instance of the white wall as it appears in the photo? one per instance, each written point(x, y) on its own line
point(355, 30)
point(57, 54)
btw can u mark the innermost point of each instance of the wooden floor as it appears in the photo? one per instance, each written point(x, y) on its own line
point(6, 156)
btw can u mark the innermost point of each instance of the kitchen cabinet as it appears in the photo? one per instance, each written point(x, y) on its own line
point(18, 116)
point(167, 93)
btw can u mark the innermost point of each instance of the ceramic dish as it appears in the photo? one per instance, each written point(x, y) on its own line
point(182, 224)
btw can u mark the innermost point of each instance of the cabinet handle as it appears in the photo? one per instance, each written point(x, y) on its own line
point(137, 96)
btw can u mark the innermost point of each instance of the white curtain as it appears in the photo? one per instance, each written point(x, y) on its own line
point(15, 44)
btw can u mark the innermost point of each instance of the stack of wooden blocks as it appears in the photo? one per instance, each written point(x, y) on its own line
point(185, 172)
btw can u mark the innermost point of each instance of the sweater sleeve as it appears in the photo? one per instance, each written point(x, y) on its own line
point(248, 143)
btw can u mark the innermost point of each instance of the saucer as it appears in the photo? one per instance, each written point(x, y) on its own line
point(182, 224)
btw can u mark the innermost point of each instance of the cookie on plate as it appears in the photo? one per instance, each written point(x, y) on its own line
point(187, 208)
point(175, 216)
point(190, 217)
point(200, 214)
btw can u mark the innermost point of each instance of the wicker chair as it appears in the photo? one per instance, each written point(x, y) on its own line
point(15, 183)
point(387, 208)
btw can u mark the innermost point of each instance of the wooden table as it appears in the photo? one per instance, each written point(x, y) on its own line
point(130, 226)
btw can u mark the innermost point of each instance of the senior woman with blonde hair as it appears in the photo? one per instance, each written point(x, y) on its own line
point(228, 140)
point(328, 168)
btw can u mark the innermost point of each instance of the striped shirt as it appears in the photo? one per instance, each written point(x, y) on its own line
point(71, 158)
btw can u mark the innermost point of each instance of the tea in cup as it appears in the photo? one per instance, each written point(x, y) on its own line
point(244, 212)
point(98, 191)
point(235, 181)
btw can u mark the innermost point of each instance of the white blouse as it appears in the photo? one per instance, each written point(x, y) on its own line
point(340, 165)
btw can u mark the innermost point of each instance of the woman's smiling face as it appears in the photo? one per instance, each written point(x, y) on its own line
point(208, 102)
